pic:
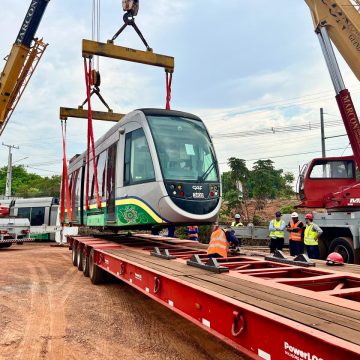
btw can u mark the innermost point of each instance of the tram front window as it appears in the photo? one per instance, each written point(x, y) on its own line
point(184, 149)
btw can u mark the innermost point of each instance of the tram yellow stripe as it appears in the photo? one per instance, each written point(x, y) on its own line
point(142, 205)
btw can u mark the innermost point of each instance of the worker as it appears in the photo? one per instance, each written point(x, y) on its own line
point(193, 233)
point(311, 236)
point(220, 242)
point(171, 231)
point(237, 221)
point(276, 228)
point(295, 229)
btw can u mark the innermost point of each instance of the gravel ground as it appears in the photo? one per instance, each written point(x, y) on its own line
point(49, 310)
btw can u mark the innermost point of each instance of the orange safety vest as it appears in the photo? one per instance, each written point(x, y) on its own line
point(218, 243)
point(295, 236)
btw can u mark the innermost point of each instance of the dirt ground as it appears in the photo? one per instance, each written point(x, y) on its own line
point(49, 310)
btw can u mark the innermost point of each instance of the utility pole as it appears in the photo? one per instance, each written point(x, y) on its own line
point(323, 150)
point(9, 170)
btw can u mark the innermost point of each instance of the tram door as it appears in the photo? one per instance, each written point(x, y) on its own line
point(110, 184)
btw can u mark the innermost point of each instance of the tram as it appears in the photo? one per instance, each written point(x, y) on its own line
point(155, 167)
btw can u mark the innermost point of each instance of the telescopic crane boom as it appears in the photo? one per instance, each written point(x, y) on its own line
point(338, 22)
point(22, 61)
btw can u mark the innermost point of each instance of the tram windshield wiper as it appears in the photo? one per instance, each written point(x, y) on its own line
point(203, 177)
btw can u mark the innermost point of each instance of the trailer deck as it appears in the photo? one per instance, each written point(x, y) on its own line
point(315, 313)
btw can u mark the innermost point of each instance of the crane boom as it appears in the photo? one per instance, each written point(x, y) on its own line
point(13, 77)
point(342, 21)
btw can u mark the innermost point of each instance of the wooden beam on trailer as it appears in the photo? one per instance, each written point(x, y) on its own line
point(83, 114)
point(91, 48)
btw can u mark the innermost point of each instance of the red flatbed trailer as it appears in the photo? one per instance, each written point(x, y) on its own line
point(266, 310)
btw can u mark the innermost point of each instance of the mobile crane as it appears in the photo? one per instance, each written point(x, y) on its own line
point(21, 62)
point(331, 183)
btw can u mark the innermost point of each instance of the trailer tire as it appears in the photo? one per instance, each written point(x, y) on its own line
point(73, 254)
point(97, 275)
point(79, 259)
point(5, 245)
point(85, 262)
point(344, 246)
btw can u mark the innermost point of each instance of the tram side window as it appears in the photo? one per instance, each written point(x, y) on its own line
point(37, 216)
point(74, 179)
point(23, 213)
point(91, 180)
point(138, 163)
point(101, 171)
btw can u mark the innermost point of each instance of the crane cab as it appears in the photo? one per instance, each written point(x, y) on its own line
point(327, 182)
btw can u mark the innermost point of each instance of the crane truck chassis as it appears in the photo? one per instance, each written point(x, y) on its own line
point(241, 300)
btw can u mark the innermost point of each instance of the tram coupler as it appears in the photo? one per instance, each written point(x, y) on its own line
point(211, 265)
point(165, 255)
point(299, 260)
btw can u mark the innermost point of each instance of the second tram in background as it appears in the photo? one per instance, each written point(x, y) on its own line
point(155, 167)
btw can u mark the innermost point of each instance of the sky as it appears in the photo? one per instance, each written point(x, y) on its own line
point(240, 65)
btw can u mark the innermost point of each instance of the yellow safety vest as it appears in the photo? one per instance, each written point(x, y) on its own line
point(277, 233)
point(310, 235)
point(236, 224)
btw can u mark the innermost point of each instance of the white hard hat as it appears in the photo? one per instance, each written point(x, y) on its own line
point(237, 216)
point(294, 215)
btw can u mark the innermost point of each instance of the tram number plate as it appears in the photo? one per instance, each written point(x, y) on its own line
point(198, 195)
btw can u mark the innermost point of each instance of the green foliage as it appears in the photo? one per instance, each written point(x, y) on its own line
point(258, 220)
point(262, 183)
point(26, 184)
point(287, 209)
point(233, 199)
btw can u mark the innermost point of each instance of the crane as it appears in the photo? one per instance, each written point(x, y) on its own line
point(21, 62)
point(331, 182)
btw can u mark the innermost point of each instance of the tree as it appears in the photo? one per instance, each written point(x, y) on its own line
point(262, 183)
point(26, 184)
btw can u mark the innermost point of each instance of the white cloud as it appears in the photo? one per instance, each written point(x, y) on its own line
point(235, 82)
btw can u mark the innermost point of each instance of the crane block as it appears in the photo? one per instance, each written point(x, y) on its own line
point(83, 114)
point(91, 48)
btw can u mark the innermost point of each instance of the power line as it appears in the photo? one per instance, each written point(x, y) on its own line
point(274, 130)
point(282, 156)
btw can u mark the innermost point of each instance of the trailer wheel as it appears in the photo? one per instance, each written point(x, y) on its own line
point(344, 246)
point(96, 274)
point(79, 259)
point(85, 263)
point(73, 254)
point(5, 245)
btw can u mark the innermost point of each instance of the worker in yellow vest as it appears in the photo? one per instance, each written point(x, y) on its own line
point(220, 242)
point(237, 221)
point(276, 228)
point(311, 236)
point(295, 228)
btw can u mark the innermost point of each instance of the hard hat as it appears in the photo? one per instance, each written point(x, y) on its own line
point(237, 216)
point(278, 214)
point(309, 216)
point(334, 259)
point(294, 215)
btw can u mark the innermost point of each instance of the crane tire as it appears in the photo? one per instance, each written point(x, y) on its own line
point(344, 246)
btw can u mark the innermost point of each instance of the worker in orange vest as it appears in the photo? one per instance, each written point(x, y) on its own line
point(220, 242)
point(295, 228)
